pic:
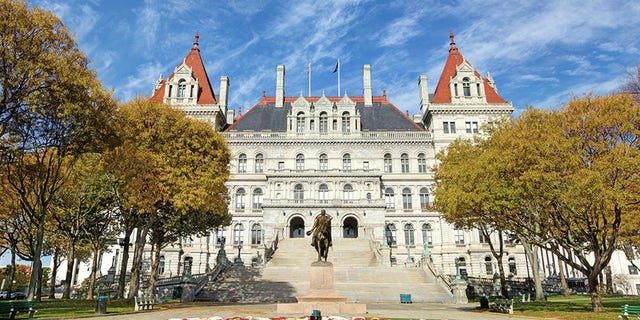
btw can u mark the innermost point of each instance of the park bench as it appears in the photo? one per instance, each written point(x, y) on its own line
point(12, 308)
point(503, 306)
point(144, 302)
point(629, 311)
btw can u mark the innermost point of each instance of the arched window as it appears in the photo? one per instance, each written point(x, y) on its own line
point(409, 237)
point(424, 198)
point(256, 234)
point(404, 163)
point(300, 162)
point(512, 266)
point(466, 87)
point(462, 265)
point(160, 269)
point(324, 122)
point(488, 266)
point(240, 198)
point(427, 235)
point(298, 193)
point(346, 162)
point(242, 163)
point(324, 162)
point(389, 198)
point(346, 122)
point(238, 231)
point(300, 122)
point(182, 88)
point(388, 166)
point(422, 163)
point(347, 193)
point(323, 193)
point(406, 198)
point(257, 198)
point(259, 163)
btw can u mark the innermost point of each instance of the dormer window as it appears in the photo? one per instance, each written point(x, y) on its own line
point(182, 88)
point(466, 87)
point(300, 122)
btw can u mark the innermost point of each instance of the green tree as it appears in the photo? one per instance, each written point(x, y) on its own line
point(170, 172)
point(51, 107)
point(574, 174)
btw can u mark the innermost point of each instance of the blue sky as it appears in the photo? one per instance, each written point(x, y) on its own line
point(540, 53)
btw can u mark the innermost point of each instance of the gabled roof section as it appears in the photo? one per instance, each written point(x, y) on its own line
point(442, 94)
point(381, 116)
point(194, 61)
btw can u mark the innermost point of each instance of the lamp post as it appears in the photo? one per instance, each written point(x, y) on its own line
point(238, 259)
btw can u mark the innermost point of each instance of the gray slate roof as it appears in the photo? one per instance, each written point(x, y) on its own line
point(379, 117)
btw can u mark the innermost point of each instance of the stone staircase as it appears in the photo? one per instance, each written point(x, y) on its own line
point(358, 275)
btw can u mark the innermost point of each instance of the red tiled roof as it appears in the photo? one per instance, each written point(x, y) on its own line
point(194, 61)
point(442, 94)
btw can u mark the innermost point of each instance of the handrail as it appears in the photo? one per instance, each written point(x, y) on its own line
point(444, 281)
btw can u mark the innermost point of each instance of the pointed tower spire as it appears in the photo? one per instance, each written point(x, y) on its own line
point(452, 43)
point(195, 42)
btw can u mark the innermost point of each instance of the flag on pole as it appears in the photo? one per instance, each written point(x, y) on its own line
point(309, 76)
point(337, 67)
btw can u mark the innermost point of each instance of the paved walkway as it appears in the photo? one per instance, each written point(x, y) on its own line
point(374, 310)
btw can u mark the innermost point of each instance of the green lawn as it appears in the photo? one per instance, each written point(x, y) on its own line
point(575, 307)
point(67, 308)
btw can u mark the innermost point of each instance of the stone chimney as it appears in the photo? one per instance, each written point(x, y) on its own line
point(224, 94)
point(424, 91)
point(280, 86)
point(366, 84)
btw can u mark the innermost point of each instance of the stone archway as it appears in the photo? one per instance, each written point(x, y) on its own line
point(296, 228)
point(350, 228)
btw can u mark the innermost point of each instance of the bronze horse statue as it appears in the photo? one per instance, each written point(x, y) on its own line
point(321, 239)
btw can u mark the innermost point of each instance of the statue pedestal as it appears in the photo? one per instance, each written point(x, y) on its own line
point(322, 295)
point(459, 287)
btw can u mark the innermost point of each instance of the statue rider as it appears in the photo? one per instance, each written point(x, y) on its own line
point(322, 221)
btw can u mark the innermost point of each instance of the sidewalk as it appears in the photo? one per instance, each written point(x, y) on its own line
point(374, 310)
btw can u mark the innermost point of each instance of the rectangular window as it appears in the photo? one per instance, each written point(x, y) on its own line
point(458, 237)
point(280, 165)
point(449, 127)
point(482, 238)
point(467, 127)
point(312, 125)
point(474, 126)
point(633, 270)
point(365, 165)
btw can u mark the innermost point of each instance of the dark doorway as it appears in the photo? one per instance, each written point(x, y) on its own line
point(297, 228)
point(350, 228)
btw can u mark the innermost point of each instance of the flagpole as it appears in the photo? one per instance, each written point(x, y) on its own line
point(309, 72)
point(338, 77)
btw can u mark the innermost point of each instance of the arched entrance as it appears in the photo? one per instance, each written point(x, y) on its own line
point(296, 228)
point(350, 228)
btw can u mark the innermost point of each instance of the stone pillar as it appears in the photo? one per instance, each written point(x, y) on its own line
point(188, 290)
point(459, 288)
point(224, 94)
point(424, 91)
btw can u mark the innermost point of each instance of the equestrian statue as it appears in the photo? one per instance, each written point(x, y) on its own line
point(321, 231)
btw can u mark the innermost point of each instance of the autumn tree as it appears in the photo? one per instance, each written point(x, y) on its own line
point(469, 195)
point(52, 107)
point(574, 174)
point(168, 174)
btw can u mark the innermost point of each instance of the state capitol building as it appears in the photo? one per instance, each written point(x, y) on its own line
point(368, 164)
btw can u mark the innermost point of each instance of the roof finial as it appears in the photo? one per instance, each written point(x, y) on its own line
point(195, 42)
point(452, 43)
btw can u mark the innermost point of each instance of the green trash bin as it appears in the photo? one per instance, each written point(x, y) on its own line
point(101, 305)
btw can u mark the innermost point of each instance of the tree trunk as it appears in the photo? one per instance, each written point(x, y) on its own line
point(531, 253)
point(154, 269)
point(125, 260)
point(92, 277)
point(141, 237)
point(596, 301)
point(54, 273)
point(36, 266)
point(71, 259)
point(12, 274)
point(563, 280)
point(504, 288)
point(609, 281)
